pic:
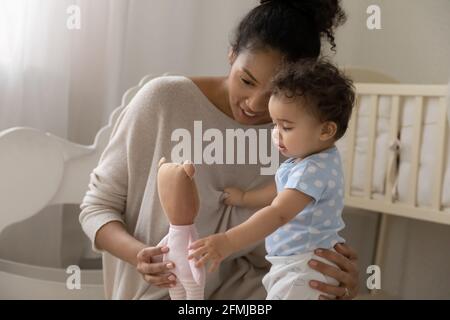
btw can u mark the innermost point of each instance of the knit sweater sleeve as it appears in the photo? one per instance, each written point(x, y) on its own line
point(131, 142)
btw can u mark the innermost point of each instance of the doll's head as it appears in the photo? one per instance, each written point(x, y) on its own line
point(177, 192)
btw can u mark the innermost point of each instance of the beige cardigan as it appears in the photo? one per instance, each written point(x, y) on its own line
point(123, 188)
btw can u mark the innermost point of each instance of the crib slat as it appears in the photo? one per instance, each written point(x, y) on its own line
point(371, 146)
point(392, 156)
point(351, 132)
point(402, 89)
point(440, 154)
point(416, 143)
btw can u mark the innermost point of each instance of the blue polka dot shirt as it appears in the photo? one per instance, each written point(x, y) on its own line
point(319, 176)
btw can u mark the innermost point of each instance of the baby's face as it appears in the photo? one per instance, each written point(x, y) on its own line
point(297, 133)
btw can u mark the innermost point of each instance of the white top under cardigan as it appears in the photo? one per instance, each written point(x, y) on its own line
point(125, 178)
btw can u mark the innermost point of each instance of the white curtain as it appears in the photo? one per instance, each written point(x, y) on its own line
point(43, 62)
point(34, 65)
point(67, 81)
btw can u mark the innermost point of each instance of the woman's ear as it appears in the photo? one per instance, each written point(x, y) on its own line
point(329, 130)
point(231, 56)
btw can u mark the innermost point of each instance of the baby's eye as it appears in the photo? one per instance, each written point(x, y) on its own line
point(286, 129)
point(274, 125)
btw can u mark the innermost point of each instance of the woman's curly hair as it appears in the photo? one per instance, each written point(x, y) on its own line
point(293, 27)
point(328, 93)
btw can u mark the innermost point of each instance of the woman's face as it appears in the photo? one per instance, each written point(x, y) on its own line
point(249, 85)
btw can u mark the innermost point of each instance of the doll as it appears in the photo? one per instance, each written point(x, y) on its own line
point(180, 201)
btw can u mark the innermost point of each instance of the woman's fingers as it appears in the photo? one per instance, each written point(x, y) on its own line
point(167, 280)
point(341, 261)
point(146, 254)
point(155, 268)
point(345, 250)
point(328, 270)
point(346, 273)
point(330, 290)
point(155, 273)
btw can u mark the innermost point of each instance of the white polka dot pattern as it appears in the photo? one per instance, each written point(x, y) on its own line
point(319, 176)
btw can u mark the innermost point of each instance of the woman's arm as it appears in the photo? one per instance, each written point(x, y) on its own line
point(257, 198)
point(114, 238)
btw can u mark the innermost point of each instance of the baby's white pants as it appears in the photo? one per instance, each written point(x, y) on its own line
point(289, 277)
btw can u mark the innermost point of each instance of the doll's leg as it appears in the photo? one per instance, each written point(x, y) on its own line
point(193, 290)
point(177, 292)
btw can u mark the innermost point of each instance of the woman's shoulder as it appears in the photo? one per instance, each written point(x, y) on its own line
point(166, 86)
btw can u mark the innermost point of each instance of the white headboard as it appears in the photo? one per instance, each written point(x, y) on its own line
point(38, 169)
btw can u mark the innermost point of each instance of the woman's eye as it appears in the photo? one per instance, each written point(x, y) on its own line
point(246, 82)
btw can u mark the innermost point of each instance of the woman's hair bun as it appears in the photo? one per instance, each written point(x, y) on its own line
point(327, 14)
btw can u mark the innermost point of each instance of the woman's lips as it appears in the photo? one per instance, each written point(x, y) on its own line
point(248, 113)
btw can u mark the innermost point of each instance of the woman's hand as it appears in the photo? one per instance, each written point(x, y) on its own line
point(233, 197)
point(153, 270)
point(347, 274)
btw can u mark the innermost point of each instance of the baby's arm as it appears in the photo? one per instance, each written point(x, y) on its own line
point(283, 208)
point(257, 198)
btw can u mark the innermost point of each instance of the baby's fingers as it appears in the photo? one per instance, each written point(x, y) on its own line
point(196, 244)
point(200, 263)
point(213, 266)
point(197, 253)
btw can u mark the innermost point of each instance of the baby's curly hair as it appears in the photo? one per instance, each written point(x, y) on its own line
point(328, 93)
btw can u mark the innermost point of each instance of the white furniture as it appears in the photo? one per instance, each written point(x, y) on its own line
point(37, 170)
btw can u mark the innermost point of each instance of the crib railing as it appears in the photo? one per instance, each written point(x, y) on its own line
point(389, 202)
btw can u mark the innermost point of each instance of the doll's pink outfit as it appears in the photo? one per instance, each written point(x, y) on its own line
point(190, 279)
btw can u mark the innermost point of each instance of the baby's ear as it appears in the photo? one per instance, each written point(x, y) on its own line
point(189, 168)
point(161, 161)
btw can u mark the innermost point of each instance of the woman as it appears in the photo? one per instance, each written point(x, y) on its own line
point(121, 212)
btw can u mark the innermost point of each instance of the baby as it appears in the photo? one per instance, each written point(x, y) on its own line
point(301, 210)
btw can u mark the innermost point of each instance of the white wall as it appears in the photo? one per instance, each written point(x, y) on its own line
point(413, 46)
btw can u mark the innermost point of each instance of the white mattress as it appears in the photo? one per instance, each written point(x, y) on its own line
point(427, 152)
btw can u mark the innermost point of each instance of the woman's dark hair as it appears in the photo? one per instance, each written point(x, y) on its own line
point(328, 94)
point(293, 27)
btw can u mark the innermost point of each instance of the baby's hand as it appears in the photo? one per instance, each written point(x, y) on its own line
point(234, 197)
point(215, 248)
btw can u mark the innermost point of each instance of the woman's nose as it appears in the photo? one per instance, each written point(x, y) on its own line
point(257, 104)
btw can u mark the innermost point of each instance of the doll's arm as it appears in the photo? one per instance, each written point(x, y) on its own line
point(256, 198)
point(283, 208)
